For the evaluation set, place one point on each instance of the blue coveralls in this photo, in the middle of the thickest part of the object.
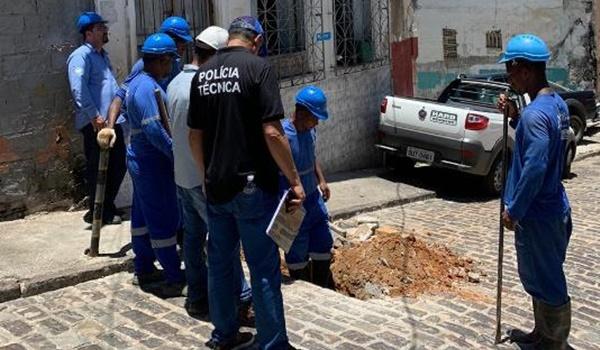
(536, 198)
(314, 239)
(155, 214)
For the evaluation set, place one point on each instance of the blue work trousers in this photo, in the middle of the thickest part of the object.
(154, 216)
(314, 239)
(541, 246)
(193, 207)
(245, 217)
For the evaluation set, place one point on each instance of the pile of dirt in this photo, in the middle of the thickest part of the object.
(395, 264)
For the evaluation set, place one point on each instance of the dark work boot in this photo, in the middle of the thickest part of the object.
(301, 274)
(321, 274)
(555, 326)
(520, 337)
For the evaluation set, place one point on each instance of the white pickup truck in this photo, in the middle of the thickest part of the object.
(460, 130)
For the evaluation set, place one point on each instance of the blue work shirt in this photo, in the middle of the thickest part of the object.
(534, 188)
(137, 68)
(302, 145)
(93, 84)
(148, 137)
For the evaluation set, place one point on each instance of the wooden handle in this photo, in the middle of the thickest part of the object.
(162, 109)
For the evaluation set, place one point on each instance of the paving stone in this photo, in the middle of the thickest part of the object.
(151, 307)
(70, 316)
(39, 341)
(17, 327)
(348, 346)
(138, 317)
(152, 343)
(382, 346)
(114, 340)
(160, 329)
(32, 313)
(131, 332)
(13, 346)
(54, 326)
(356, 337)
(181, 319)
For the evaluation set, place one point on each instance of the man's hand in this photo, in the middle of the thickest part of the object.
(508, 222)
(325, 190)
(505, 102)
(97, 123)
(296, 197)
(106, 138)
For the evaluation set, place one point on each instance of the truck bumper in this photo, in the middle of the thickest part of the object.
(467, 156)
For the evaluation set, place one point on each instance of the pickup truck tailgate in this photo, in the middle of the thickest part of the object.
(429, 117)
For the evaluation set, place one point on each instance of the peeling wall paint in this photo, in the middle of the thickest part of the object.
(564, 24)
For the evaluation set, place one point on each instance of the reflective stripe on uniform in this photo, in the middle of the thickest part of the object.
(150, 120)
(320, 256)
(163, 243)
(297, 266)
(139, 231)
(306, 171)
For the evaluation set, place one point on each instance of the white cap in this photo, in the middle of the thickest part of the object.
(213, 36)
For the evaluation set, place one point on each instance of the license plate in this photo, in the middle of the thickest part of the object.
(420, 154)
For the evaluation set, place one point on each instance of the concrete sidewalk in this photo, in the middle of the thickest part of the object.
(44, 252)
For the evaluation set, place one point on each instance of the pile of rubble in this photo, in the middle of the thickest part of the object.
(374, 262)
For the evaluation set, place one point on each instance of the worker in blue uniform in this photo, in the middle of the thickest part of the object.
(93, 86)
(537, 207)
(179, 30)
(155, 214)
(309, 257)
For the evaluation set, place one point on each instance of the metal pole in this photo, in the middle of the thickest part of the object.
(99, 202)
(498, 338)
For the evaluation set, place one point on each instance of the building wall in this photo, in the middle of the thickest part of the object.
(564, 24)
(40, 151)
(41, 161)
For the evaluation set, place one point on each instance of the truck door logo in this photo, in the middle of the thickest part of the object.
(443, 118)
(422, 114)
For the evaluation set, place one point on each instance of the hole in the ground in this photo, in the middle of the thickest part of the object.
(377, 262)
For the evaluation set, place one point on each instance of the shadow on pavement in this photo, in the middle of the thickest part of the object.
(446, 183)
(120, 254)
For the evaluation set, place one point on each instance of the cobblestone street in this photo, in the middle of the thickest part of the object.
(111, 313)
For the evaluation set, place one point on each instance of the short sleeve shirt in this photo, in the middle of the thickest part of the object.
(231, 96)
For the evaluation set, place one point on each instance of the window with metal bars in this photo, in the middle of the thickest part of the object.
(493, 39)
(450, 45)
(291, 27)
(361, 34)
(150, 15)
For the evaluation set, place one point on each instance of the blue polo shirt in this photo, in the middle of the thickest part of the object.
(534, 188)
(92, 83)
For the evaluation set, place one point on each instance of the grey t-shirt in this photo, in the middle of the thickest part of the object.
(187, 174)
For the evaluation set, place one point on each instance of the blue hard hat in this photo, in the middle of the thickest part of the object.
(159, 44)
(247, 22)
(178, 27)
(527, 47)
(88, 18)
(314, 100)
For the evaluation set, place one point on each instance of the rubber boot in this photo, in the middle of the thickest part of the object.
(301, 274)
(520, 337)
(321, 274)
(555, 326)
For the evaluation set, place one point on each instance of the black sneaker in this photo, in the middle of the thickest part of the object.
(170, 290)
(115, 220)
(88, 217)
(242, 340)
(197, 308)
(147, 278)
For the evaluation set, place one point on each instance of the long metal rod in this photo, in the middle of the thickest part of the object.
(498, 337)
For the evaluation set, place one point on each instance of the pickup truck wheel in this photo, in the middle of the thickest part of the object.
(569, 156)
(403, 164)
(578, 125)
(492, 182)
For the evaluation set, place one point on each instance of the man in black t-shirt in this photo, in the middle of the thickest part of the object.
(238, 142)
